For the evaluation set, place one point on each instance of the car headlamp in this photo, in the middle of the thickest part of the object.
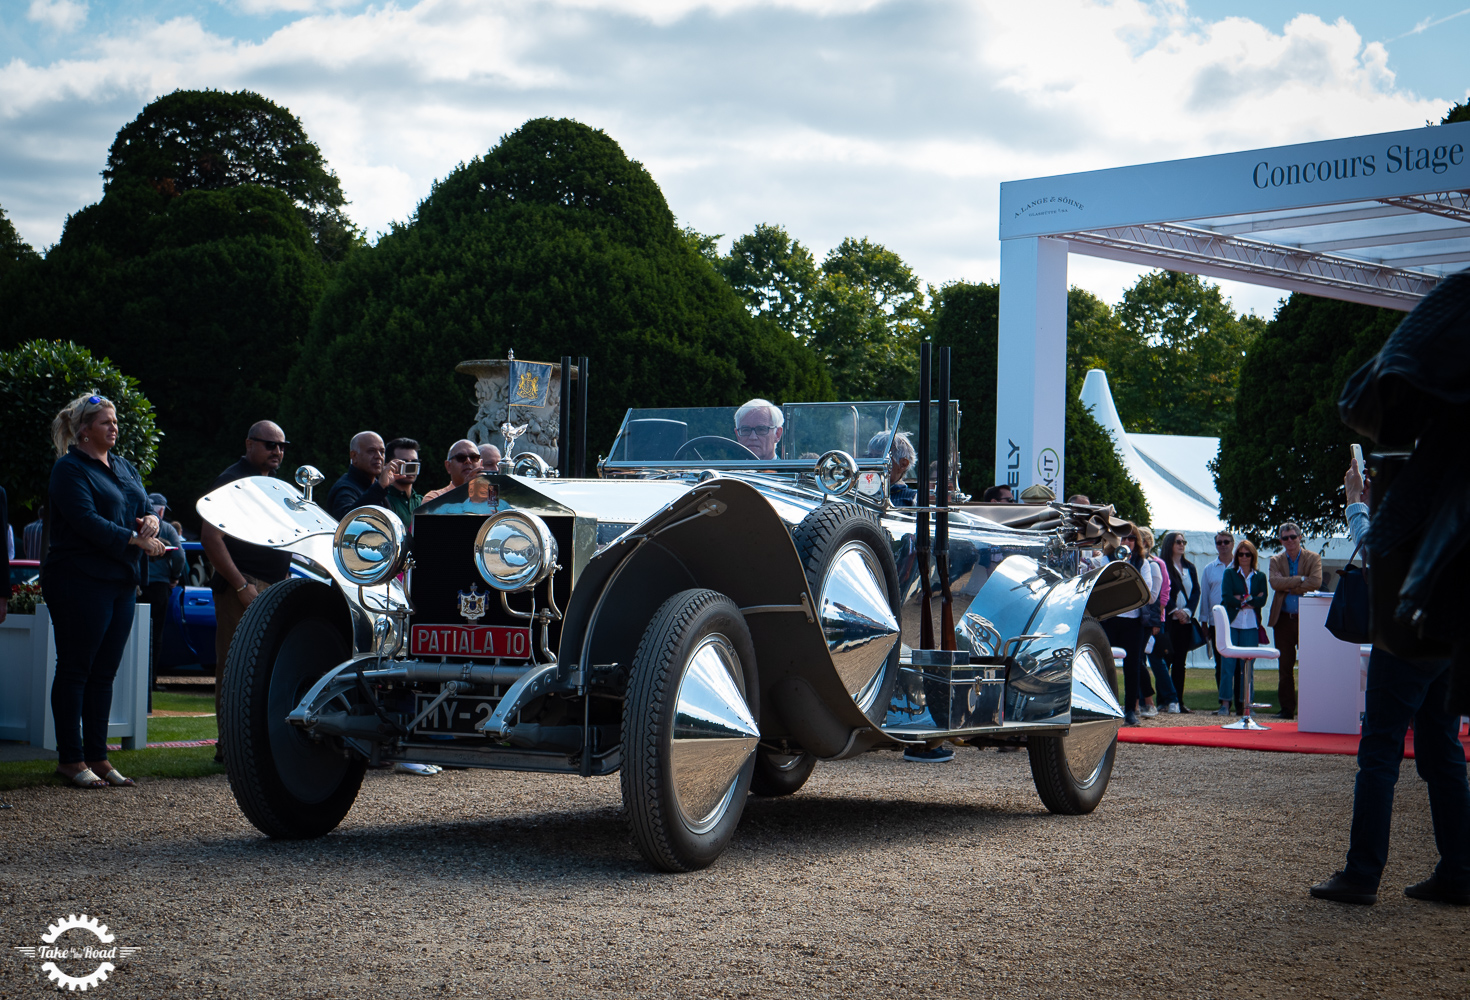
(514, 551)
(368, 545)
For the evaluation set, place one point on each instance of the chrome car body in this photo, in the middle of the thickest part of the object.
(543, 671)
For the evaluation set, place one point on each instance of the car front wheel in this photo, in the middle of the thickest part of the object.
(689, 731)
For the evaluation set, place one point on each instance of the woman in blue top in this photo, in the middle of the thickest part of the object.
(101, 527)
(1243, 595)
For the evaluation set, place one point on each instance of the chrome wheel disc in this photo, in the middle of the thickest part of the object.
(714, 733)
(857, 621)
(1086, 743)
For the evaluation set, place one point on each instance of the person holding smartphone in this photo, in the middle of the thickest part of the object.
(398, 477)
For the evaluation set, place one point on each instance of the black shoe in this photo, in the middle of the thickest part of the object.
(219, 754)
(1284, 716)
(1432, 890)
(1340, 890)
(1130, 718)
(1185, 709)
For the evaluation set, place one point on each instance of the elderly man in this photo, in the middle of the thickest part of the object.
(489, 458)
(759, 425)
(242, 570)
(1295, 571)
(359, 484)
(463, 462)
(902, 454)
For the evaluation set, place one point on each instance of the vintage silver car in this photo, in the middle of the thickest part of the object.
(707, 622)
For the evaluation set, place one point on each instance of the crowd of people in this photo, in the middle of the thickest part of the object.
(111, 549)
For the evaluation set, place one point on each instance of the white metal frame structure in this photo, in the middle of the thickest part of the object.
(1377, 219)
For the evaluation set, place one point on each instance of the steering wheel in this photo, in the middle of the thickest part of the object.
(734, 450)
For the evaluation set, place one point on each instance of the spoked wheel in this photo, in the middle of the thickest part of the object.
(689, 730)
(1072, 771)
(780, 773)
(286, 783)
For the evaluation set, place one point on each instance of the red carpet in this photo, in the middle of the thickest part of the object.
(1282, 738)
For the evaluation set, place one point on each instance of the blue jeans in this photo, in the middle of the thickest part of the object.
(1229, 668)
(1163, 683)
(1397, 692)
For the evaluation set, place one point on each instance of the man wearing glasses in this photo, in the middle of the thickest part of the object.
(1295, 571)
(759, 425)
(1212, 583)
(242, 570)
(463, 462)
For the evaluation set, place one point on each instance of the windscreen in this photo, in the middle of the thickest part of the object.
(754, 435)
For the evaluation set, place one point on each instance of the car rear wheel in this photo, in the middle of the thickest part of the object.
(287, 784)
(690, 731)
(780, 773)
(1072, 771)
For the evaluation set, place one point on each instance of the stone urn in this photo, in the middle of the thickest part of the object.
(492, 391)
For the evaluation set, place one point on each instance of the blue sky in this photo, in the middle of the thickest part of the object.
(892, 120)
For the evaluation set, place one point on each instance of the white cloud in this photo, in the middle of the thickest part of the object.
(895, 121)
(58, 15)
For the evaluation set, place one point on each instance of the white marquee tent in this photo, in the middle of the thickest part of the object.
(1377, 219)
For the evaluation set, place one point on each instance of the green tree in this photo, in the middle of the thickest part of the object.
(1457, 113)
(1283, 456)
(204, 297)
(869, 319)
(775, 276)
(210, 140)
(967, 319)
(14, 251)
(37, 379)
(552, 243)
(1172, 350)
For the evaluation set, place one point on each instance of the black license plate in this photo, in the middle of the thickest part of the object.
(455, 716)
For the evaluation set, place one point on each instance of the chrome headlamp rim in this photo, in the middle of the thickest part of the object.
(368, 545)
(836, 472)
(522, 580)
(530, 465)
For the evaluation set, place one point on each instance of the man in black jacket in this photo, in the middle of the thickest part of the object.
(359, 485)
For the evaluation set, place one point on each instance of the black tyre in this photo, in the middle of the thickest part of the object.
(287, 784)
(842, 546)
(1072, 771)
(690, 729)
(780, 773)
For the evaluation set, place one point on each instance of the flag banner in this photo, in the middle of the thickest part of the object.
(530, 383)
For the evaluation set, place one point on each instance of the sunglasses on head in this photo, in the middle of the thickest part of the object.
(95, 400)
(467, 456)
(271, 445)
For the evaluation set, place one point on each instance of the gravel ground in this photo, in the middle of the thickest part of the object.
(878, 878)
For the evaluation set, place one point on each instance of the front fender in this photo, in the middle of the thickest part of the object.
(271, 513)
(1022, 597)
(725, 535)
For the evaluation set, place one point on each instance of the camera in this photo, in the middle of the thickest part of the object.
(409, 469)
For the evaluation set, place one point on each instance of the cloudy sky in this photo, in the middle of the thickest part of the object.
(891, 120)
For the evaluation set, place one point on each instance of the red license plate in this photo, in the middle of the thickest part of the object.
(471, 641)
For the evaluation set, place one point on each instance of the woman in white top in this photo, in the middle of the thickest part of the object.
(1243, 595)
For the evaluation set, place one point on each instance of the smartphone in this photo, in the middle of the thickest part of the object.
(170, 548)
(412, 468)
(1357, 451)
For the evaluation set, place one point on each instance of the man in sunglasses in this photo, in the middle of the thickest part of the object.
(759, 425)
(1295, 571)
(242, 570)
(462, 463)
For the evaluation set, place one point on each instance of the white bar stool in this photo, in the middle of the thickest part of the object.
(1229, 650)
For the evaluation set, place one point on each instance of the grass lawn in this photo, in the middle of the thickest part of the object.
(160, 762)
(1200, 691)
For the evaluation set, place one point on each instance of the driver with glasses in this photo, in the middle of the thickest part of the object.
(759, 425)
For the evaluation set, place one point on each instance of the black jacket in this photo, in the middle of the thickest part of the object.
(1176, 586)
(354, 489)
(93, 510)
